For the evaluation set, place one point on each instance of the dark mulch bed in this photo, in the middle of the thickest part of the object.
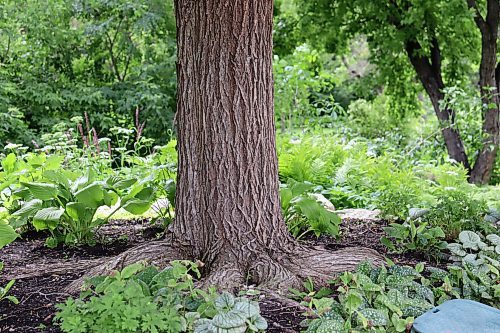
(38, 296)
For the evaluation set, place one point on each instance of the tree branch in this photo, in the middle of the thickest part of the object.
(493, 15)
(435, 55)
(111, 45)
(478, 18)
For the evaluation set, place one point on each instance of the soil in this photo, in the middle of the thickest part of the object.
(38, 296)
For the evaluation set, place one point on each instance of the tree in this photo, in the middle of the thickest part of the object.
(440, 41)
(228, 210)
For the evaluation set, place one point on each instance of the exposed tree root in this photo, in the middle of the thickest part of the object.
(36, 270)
(158, 253)
(289, 270)
(278, 270)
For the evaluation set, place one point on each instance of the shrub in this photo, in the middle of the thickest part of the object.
(144, 299)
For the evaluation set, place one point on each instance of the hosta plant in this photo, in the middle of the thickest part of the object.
(66, 205)
(304, 214)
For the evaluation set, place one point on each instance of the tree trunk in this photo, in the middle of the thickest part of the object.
(228, 214)
(228, 211)
(488, 84)
(228, 206)
(429, 73)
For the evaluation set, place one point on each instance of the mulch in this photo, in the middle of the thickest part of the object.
(38, 296)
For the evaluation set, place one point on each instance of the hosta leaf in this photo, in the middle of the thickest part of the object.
(79, 211)
(47, 218)
(57, 177)
(120, 184)
(145, 194)
(9, 163)
(110, 198)
(91, 195)
(42, 191)
(137, 206)
(29, 208)
(7, 234)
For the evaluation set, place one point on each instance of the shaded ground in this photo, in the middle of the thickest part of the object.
(38, 296)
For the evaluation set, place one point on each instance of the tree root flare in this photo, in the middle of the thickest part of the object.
(270, 270)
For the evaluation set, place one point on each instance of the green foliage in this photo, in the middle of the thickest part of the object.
(66, 205)
(142, 298)
(104, 57)
(233, 315)
(412, 236)
(304, 214)
(312, 298)
(312, 159)
(4, 291)
(476, 266)
(7, 233)
(388, 299)
(372, 119)
(375, 299)
(388, 28)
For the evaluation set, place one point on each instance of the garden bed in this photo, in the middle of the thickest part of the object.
(38, 296)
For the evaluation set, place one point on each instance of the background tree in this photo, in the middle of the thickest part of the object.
(228, 212)
(440, 40)
(62, 58)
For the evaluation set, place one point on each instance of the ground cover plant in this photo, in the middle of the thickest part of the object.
(312, 179)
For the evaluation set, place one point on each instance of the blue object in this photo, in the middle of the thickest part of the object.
(459, 316)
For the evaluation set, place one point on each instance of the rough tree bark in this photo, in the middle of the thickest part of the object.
(228, 208)
(428, 70)
(488, 84)
(228, 212)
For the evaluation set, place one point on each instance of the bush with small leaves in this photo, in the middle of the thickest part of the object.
(144, 299)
